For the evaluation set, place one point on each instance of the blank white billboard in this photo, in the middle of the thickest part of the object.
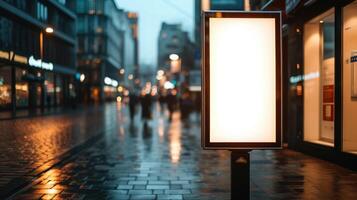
(242, 76)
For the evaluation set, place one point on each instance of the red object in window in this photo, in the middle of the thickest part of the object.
(328, 94)
(328, 112)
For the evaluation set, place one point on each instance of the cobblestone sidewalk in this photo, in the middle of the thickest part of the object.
(29, 146)
(163, 160)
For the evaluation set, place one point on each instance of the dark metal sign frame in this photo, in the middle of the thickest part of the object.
(205, 123)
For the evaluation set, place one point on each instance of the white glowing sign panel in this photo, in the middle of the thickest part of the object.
(242, 70)
(38, 63)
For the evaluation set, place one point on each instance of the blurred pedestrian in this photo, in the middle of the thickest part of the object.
(186, 106)
(48, 100)
(146, 103)
(171, 101)
(133, 101)
(162, 100)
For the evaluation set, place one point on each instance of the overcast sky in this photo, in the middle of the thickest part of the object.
(151, 14)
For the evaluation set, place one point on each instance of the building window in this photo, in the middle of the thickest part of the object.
(91, 6)
(319, 65)
(62, 2)
(22, 89)
(42, 13)
(350, 78)
(5, 87)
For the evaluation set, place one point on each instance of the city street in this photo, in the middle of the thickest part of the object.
(99, 153)
(121, 99)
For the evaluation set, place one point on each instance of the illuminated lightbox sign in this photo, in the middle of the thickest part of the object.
(40, 64)
(241, 80)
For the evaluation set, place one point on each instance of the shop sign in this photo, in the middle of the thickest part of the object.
(291, 5)
(38, 63)
(241, 80)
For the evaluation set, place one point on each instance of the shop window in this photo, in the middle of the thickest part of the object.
(59, 90)
(22, 89)
(38, 94)
(94, 91)
(318, 91)
(350, 78)
(5, 87)
(50, 89)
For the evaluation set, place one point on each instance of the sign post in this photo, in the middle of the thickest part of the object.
(241, 108)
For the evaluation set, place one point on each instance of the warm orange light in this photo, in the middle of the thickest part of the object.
(119, 99)
(120, 89)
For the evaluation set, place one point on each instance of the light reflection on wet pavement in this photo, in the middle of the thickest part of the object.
(31, 145)
(164, 160)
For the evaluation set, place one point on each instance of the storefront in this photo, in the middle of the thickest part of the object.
(322, 74)
(100, 80)
(30, 83)
(37, 56)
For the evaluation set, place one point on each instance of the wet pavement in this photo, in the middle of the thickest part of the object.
(157, 160)
(29, 146)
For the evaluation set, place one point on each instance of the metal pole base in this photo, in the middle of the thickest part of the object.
(240, 175)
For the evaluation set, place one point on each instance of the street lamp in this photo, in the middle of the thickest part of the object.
(160, 72)
(174, 57)
(48, 30)
(130, 77)
(82, 77)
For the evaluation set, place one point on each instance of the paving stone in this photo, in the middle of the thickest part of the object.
(157, 187)
(177, 187)
(158, 191)
(179, 182)
(140, 192)
(177, 192)
(125, 187)
(139, 187)
(158, 182)
(137, 182)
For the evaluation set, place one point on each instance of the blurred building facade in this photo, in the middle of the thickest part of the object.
(37, 69)
(319, 77)
(106, 49)
(175, 53)
(133, 20)
(129, 49)
(173, 40)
